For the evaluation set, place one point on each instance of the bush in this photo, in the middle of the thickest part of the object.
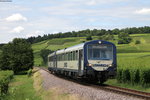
(134, 74)
(29, 72)
(124, 38)
(119, 75)
(125, 75)
(89, 38)
(44, 53)
(5, 77)
(145, 77)
(137, 42)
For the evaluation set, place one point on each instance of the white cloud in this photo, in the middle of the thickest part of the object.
(36, 33)
(17, 29)
(16, 17)
(95, 2)
(92, 2)
(143, 11)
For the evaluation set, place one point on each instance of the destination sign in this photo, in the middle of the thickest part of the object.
(99, 47)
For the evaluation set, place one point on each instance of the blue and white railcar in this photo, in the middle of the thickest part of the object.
(95, 60)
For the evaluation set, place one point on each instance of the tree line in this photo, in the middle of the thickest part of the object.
(88, 32)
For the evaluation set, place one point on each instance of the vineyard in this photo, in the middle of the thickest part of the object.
(134, 68)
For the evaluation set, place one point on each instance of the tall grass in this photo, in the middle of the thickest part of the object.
(21, 88)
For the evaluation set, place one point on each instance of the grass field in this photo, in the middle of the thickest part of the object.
(21, 88)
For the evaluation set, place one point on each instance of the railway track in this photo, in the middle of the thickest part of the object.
(119, 90)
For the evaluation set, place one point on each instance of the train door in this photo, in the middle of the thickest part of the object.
(80, 62)
(55, 61)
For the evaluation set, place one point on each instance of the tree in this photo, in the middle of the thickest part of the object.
(17, 56)
(44, 54)
(89, 37)
(115, 31)
(124, 38)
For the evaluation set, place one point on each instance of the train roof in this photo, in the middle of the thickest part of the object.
(76, 47)
(69, 49)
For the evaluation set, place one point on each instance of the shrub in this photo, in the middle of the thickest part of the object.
(119, 75)
(89, 37)
(134, 75)
(29, 72)
(124, 38)
(145, 77)
(44, 53)
(125, 76)
(137, 42)
(5, 77)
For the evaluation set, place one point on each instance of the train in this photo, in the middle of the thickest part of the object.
(94, 61)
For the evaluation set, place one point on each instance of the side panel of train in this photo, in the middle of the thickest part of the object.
(94, 60)
(71, 62)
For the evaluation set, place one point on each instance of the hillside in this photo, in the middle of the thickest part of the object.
(131, 50)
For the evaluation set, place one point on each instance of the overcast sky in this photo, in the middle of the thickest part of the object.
(25, 18)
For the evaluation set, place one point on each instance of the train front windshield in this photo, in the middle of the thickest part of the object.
(100, 52)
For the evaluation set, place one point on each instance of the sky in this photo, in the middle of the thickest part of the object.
(26, 18)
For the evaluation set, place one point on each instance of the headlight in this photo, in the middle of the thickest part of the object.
(110, 65)
(89, 65)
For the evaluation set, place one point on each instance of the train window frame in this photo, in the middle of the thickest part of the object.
(100, 52)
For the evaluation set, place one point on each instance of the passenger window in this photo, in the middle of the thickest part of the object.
(62, 57)
(71, 56)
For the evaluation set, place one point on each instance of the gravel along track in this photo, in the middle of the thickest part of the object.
(65, 86)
